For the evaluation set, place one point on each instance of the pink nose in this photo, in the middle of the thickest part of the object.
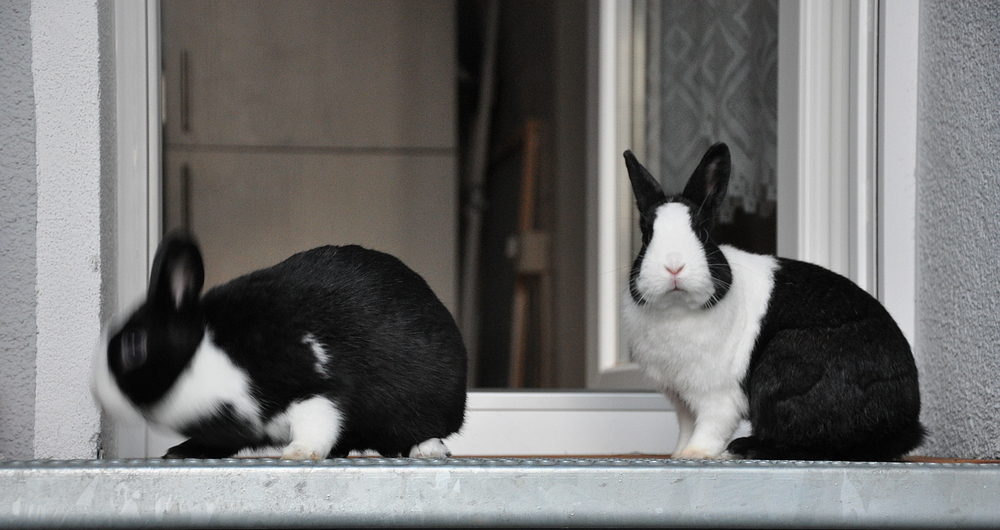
(675, 271)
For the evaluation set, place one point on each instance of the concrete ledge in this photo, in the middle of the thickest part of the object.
(494, 492)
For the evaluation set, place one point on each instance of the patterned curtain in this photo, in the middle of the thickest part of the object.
(711, 75)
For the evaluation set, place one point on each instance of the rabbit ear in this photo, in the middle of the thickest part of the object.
(178, 273)
(647, 190)
(707, 185)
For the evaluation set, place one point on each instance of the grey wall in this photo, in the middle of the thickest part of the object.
(17, 232)
(56, 125)
(958, 226)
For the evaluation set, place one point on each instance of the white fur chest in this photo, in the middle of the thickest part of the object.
(697, 352)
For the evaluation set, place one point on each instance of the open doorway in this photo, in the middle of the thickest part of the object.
(296, 124)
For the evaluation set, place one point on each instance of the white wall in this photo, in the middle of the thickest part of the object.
(65, 65)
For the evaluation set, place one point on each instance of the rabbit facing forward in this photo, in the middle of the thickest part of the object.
(816, 364)
(332, 350)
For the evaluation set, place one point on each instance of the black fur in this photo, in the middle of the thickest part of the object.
(396, 361)
(831, 376)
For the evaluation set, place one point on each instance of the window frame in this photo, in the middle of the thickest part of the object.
(138, 120)
(871, 240)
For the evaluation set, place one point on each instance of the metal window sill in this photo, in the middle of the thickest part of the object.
(496, 492)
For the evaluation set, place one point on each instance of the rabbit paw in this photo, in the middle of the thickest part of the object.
(694, 453)
(313, 426)
(296, 451)
(430, 448)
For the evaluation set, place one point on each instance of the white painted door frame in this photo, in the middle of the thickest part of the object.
(138, 131)
(899, 23)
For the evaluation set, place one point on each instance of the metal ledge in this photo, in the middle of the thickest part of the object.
(496, 492)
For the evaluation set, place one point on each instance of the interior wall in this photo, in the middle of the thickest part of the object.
(306, 123)
(17, 232)
(958, 197)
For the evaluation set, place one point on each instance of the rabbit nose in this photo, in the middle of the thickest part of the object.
(675, 270)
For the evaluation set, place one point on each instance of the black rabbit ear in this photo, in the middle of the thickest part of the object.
(707, 185)
(648, 192)
(178, 273)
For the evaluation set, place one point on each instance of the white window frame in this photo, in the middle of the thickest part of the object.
(866, 243)
(899, 23)
(138, 90)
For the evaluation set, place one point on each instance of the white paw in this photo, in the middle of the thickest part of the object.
(364, 453)
(297, 451)
(695, 453)
(431, 448)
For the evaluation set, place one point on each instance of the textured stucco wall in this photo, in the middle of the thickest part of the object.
(958, 226)
(66, 66)
(17, 232)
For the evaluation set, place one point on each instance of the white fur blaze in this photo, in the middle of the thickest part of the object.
(674, 269)
(314, 426)
(322, 357)
(430, 448)
(209, 382)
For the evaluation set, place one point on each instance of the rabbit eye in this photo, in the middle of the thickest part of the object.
(133, 350)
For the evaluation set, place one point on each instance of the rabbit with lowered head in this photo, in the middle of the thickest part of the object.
(332, 350)
(815, 363)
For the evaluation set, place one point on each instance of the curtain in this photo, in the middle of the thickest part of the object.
(711, 75)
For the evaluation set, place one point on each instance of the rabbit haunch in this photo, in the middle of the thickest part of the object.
(815, 363)
(335, 349)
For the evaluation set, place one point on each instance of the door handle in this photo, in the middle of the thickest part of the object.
(185, 80)
(185, 197)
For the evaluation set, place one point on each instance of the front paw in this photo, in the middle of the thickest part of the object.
(430, 448)
(697, 453)
(296, 451)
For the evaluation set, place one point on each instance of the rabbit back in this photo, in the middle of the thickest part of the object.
(352, 324)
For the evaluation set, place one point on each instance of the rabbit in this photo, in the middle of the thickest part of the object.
(335, 349)
(816, 364)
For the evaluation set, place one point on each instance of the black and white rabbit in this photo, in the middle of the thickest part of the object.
(815, 363)
(332, 350)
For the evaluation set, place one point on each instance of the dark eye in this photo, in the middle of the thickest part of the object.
(133, 350)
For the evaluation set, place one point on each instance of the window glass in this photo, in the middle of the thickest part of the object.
(705, 72)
